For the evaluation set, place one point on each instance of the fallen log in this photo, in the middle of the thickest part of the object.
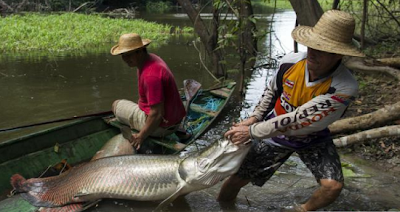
(368, 134)
(392, 62)
(357, 64)
(377, 118)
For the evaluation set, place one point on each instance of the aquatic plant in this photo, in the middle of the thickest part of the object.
(71, 31)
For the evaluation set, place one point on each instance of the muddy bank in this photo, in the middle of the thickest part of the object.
(376, 91)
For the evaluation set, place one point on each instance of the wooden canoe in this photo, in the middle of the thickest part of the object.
(78, 140)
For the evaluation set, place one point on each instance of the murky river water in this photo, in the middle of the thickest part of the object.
(36, 89)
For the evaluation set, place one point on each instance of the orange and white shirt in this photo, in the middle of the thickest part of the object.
(295, 112)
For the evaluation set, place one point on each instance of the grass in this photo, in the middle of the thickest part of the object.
(70, 31)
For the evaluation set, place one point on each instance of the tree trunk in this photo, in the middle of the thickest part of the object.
(335, 4)
(364, 22)
(308, 11)
(219, 68)
(378, 118)
(204, 34)
(366, 135)
(250, 42)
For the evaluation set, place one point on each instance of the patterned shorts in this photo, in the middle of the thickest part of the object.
(264, 158)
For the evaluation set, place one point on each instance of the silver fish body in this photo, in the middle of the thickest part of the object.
(135, 177)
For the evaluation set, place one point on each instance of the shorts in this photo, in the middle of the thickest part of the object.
(129, 113)
(264, 158)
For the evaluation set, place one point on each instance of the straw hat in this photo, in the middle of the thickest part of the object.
(129, 42)
(333, 33)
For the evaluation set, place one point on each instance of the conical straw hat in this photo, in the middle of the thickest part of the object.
(333, 33)
(129, 42)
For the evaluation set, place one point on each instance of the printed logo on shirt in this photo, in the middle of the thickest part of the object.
(310, 115)
(286, 95)
(286, 105)
(289, 83)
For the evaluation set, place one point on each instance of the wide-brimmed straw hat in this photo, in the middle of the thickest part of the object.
(333, 33)
(129, 42)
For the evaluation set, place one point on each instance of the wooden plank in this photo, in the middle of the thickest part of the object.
(222, 92)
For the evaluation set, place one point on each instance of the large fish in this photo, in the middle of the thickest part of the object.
(135, 177)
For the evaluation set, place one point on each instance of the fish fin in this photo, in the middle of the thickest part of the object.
(90, 204)
(170, 199)
(74, 207)
(36, 200)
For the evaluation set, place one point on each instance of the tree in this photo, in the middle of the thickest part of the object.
(218, 36)
(209, 38)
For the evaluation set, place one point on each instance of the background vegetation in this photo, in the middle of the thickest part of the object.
(71, 31)
(381, 27)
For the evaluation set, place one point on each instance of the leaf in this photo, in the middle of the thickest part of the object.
(348, 172)
(252, 19)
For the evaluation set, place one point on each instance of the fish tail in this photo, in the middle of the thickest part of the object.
(17, 181)
(34, 190)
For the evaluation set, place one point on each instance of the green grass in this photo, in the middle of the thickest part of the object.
(70, 31)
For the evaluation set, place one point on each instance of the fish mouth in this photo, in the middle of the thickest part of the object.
(223, 160)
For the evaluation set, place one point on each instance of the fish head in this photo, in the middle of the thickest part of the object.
(214, 164)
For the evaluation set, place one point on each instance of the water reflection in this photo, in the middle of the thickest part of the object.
(61, 86)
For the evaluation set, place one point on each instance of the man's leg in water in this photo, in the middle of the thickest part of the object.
(324, 162)
(259, 165)
(231, 188)
(324, 195)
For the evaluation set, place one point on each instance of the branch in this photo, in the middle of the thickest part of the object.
(5, 5)
(202, 62)
(366, 135)
(82, 5)
(391, 14)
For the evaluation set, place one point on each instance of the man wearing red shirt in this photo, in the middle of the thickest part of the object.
(160, 109)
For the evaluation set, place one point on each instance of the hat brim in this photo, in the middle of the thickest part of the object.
(305, 35)
(117, 50)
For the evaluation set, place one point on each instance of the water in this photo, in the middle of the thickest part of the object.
(35, 89)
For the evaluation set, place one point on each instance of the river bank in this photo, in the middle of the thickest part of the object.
(376, 91)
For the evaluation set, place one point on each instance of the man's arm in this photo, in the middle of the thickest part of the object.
(153, 121)
(314, 116)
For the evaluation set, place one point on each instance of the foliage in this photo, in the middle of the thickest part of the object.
(382, 25)
(70, 31)
(158, 6)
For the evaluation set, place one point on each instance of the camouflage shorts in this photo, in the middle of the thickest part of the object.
(264, 158)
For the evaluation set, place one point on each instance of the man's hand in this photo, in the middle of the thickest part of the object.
(137, 140)
(239, 135)
(246, 122)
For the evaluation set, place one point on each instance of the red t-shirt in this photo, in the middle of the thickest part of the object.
(156, 85)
